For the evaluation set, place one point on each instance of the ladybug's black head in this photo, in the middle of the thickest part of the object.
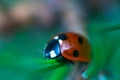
(52, 49)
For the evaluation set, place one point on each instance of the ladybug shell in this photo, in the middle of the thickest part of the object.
(75, 48)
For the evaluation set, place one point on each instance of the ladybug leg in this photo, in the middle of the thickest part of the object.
(61, 59)
(69, 61)
(64, 60)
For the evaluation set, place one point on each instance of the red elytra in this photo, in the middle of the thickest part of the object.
(75, 48)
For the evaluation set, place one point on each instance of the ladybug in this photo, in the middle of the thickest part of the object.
(71, 46)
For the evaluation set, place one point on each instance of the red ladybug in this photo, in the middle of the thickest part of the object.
(70, 46)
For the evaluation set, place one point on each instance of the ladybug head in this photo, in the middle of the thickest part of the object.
(52, 49)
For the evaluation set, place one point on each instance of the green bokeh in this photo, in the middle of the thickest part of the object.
(21, 56)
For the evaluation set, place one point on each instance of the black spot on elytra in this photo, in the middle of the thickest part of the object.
(62, 37)
(75, 53)
(80, 40)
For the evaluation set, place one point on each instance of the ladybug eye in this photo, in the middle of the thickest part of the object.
(75, 53)
(80, 40)
(63, 37)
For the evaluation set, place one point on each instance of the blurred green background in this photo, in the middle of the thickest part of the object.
(21, 55)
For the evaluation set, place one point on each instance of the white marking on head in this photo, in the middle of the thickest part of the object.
(52, 54)
(60, 41)
(56, 37)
